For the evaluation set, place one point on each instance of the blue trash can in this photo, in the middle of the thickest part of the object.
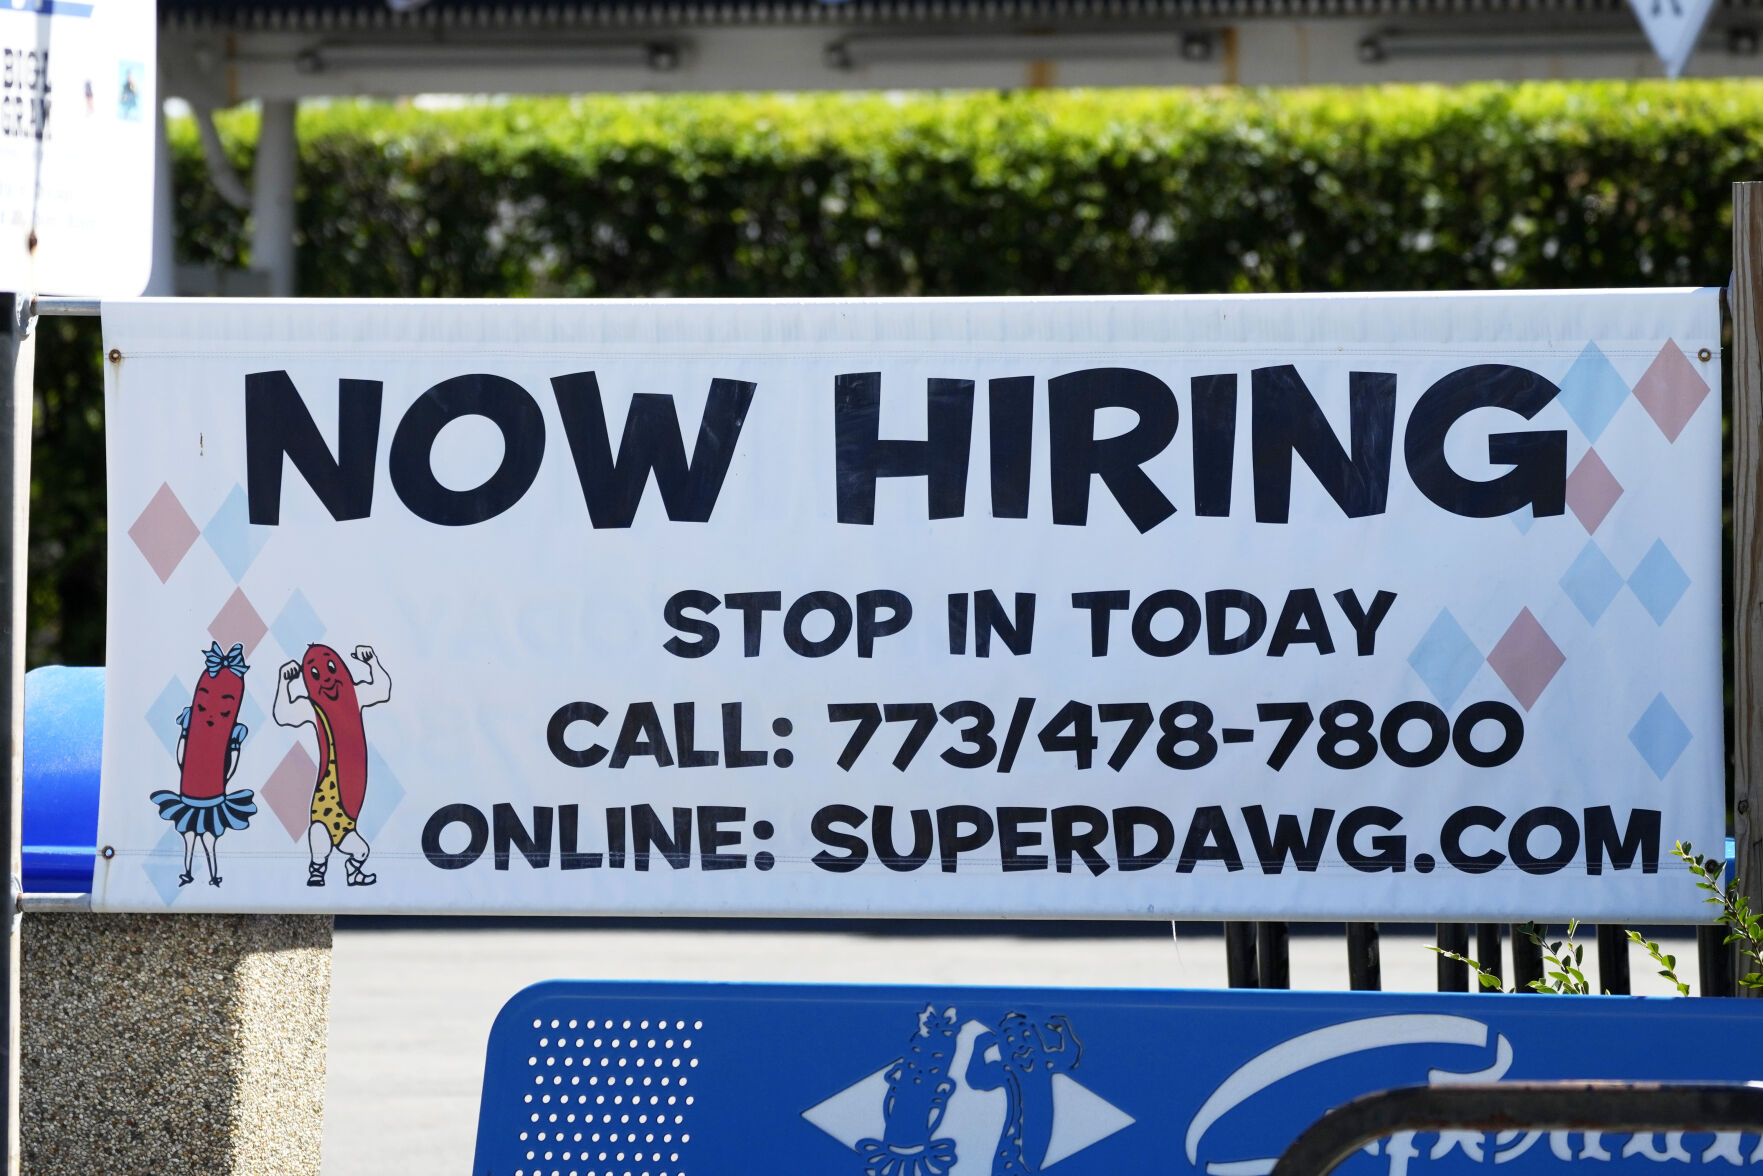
(63, 748)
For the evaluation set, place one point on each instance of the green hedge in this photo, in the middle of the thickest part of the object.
(1044, 193)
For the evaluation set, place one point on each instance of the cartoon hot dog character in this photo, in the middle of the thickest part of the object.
(319, 690)
(208, 754)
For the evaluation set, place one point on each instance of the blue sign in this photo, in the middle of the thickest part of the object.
(655, 1079)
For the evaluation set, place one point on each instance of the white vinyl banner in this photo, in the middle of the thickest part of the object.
(1368, 607)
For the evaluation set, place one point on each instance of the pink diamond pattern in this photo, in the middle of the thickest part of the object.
(1526, 659)
(1671, 390)
(237, 621)
(164, 532)
(289, 791)
(1592, 490)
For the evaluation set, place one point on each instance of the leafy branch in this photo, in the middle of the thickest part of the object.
(1564, 962)
(1564, 959)
(1666, 961)
(1743, 928)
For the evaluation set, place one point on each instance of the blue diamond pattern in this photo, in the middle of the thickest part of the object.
(1658, 582)
(384, 795)
(253, 717)
(296, 626)
(233, 537)
(1446, 659)
(1523, 520)
(166, 861)
(1660, 736)
(1592, 582)
(162, 716)
(1592, 391)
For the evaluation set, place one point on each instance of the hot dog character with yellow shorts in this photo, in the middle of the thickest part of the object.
(319, 690)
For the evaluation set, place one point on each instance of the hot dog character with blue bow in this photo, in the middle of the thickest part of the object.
(319, 690)
(208, 754)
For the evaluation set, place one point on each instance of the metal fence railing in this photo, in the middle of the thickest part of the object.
(1530, 1106)
(1257, 956)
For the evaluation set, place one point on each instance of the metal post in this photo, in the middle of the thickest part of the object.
(1714, 961)
(1364, 962)
(17, 352)
(1453, 976)
(1239, 955)
(1613, 959)
(272, 196)
(1527, 959)
(1487, 952)
(1747, 541)
(1273, 955)
(162, 279)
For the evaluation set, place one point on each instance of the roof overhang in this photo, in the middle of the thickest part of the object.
(218, 53)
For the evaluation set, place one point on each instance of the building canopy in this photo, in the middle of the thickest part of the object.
(222, 51)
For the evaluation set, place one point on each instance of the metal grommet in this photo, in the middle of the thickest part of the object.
(109, 851)
(1704, 355)
(115, 355)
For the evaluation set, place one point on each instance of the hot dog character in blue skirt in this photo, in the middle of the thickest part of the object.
(208, 754)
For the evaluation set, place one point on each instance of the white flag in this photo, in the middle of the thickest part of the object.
(1672, 26)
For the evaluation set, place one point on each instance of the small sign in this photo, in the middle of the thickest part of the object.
(860, 1080)
(1260, 607)
(77, 96)
(1672, 26)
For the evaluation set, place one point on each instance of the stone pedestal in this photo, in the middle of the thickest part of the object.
(174, 1044)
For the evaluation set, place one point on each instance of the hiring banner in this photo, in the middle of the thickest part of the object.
(1369, 607)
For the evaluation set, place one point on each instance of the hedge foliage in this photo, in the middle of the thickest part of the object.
(1409, 188)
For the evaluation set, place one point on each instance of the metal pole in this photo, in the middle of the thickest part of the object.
(1239, 955)
(1613, 976)
(1487, 953)
(17, 352)
(1364, 963)
(1273, 961)
(46, 307)
(162, 278)
(1453, 976)
(272, 195)
(1632, 1107)
(1747, 541)
(1714, 961)
(1527, 959)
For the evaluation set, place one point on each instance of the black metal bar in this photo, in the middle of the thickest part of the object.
(1613, 959)
(1513, 1106)
(1714, 960)
(1487, 952)
(1239, 955)
(1364, 958)
(1273, 957)
(1453, 976)
(1527, 959)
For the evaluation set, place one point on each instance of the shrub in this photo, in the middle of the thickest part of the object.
(1099, 192)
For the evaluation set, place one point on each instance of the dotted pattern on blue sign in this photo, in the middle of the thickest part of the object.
(607, 1094)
